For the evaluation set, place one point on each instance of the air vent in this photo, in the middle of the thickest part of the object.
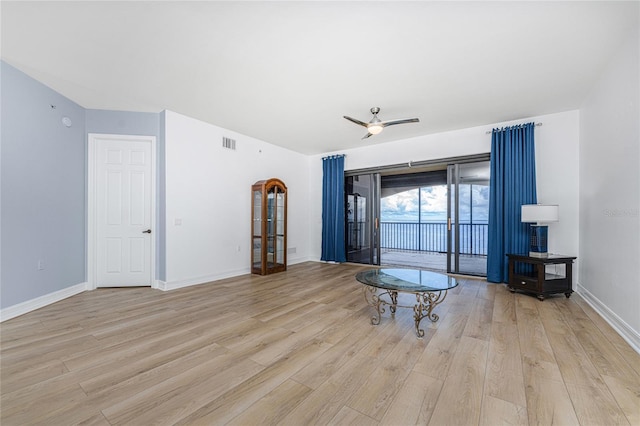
(229, 143)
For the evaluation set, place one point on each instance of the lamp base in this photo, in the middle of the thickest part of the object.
(538, 241)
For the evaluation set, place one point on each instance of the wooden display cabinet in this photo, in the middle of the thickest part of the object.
(268, 227)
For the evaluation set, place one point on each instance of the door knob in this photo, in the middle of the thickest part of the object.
(148, 231)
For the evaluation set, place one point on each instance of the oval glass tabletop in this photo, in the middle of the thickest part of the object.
(409, 280)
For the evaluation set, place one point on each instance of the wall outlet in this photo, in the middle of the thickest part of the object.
(40, 265)
(238, 249)
(291, 250)
(177, 222)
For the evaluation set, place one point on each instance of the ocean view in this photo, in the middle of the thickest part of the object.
(432, 236)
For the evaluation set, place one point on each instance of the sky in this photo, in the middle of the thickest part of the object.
(403, 207)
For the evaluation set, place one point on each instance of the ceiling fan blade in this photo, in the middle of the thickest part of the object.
(367, 135)
(401, 121)
(353, 120)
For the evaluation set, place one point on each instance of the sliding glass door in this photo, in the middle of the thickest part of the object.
(431, 215)
(467, 217)
(362, 203)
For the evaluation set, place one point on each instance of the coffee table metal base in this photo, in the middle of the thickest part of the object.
(425, 302)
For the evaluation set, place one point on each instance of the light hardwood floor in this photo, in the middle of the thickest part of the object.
(297, 348)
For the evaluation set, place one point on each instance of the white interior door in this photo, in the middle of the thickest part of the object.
(123, 185)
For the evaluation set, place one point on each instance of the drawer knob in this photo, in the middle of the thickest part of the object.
(523, 283)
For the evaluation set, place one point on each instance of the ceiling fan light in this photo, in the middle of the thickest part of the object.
(374, 129)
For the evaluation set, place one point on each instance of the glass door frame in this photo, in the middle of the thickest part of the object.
(371, 221)
(404, 168)
(453, 219)
(453, 214)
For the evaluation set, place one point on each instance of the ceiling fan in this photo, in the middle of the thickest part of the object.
(375, 125)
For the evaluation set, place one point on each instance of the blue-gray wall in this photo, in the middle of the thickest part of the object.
(43, 190)
(123, 122)
(43, 182)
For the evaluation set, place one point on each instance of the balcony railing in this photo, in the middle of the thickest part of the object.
(432, 237)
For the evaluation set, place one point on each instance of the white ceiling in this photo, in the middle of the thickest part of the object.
(286, 72)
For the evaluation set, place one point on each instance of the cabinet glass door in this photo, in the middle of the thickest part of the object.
(280, 215)
(256, 237)
(271, 238)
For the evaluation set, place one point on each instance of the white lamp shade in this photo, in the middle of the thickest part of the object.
(540, 213)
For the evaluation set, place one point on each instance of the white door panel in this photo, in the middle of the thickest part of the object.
(123, 211)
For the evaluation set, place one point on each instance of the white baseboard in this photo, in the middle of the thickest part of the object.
(295, 261)
(631, 336)
(174, 285)
(40, 302)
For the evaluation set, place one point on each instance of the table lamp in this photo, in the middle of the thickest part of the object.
(538, 215)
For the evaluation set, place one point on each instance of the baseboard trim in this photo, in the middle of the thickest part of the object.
(631, 336)
(40, 302)
(174, 285)
(297, 260)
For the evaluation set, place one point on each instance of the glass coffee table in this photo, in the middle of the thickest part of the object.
(381, 287)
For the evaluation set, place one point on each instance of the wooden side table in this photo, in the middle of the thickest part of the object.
(529, 274)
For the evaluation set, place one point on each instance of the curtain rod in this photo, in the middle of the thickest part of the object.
(488, 132)
(334, 156)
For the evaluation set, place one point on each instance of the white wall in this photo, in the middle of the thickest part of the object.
(610, 192)
(208, 188)
(556, 165)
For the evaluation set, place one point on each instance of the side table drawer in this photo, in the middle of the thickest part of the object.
(524, 283)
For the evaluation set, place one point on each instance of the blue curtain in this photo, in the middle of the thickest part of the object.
(333, 245)
(512, 184)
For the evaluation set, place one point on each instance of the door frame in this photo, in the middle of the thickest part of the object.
(453, 217)
(418, 166)
(92, 229)
(372, 215)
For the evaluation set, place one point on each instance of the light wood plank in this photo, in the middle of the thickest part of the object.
(302, 342)
(602, 353)
(504, 306)
(460, 401)
(180, 396)
(548, 402)
(479, 323)
(234, 401)
(504, 378)
(270, 409)
(438, 355)
(594, 405)
(324, 403)
(533, 340)
(378, 391)
(414, 402)
(347, 416)
(632, 357)
(627, 394)
(333, 359)
(496, 411)
(20, 378)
